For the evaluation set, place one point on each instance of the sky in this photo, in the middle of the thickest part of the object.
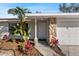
(33, 7)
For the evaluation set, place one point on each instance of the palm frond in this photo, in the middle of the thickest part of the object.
(12, 11)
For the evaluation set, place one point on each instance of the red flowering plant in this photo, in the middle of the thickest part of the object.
(28, 45)
(54, 41)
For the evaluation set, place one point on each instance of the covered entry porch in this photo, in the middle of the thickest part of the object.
(43, 28)
(39, 29)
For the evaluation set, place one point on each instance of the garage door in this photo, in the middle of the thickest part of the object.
(68, 31)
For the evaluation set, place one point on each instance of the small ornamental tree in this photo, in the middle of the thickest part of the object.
(20, 28)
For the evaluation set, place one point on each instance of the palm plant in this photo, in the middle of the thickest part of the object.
(20, 13)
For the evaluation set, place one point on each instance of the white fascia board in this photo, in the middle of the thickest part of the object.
(53, 14)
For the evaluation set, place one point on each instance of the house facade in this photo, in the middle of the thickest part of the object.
(64, 26)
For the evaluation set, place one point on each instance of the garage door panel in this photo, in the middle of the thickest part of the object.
(77, 35)
(68, 31)
(62, 36)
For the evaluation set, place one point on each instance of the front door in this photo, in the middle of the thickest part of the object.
(42, 30)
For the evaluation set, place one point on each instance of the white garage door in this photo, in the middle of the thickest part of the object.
(68, 31)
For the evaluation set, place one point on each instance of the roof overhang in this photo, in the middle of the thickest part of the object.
(12, 20)
(56, 15)
(53, 15)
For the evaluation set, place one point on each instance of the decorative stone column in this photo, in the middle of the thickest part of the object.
(36, 39)
(52, 28)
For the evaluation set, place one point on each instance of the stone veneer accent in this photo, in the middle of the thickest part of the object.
(52, 28)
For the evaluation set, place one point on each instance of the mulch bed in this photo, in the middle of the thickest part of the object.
(13, 46)
(4, 52)
(58, 50)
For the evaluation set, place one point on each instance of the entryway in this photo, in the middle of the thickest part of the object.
(42, 30)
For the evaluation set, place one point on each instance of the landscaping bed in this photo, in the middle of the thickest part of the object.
(12, 50)
(4, 52)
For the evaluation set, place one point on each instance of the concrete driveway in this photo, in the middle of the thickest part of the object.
(70, 50)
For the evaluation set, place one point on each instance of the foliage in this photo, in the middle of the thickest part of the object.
(28, 45)
(20, 46)
(20, 27)
(69, 7)
(12, 30)
(54, 41)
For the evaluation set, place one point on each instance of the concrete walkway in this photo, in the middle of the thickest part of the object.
(45, 49)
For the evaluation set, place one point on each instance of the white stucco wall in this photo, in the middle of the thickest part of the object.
(68, 31)
(4, 30)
